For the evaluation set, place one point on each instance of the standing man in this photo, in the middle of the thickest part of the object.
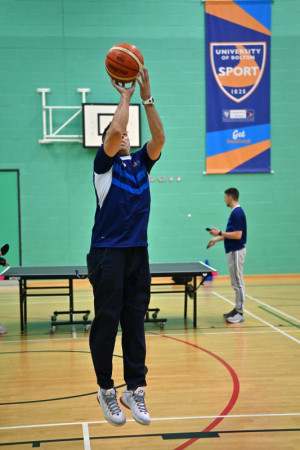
(118, 263)
(234, 238)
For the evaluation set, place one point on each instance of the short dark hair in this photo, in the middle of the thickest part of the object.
(105, 131)
(233, 192)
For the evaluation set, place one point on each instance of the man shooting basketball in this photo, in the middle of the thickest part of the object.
(118, 263)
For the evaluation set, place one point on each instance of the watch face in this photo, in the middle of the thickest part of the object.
(149, 101)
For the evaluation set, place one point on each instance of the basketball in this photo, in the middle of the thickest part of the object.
(124, 62)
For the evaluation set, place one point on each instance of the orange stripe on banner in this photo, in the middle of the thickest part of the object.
(225, 162)
(231, 12)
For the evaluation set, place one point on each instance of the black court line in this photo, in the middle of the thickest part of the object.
(49, 399)
(164, 436)
(59, 398)
(49, 351)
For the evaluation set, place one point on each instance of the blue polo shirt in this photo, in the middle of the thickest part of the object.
(123, 199)
(236, 222)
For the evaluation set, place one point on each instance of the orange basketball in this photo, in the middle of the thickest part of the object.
(124, 63)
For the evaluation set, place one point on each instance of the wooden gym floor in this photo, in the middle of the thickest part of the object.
(219, 386)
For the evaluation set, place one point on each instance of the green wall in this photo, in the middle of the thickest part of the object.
(9, 200)
(61, 44)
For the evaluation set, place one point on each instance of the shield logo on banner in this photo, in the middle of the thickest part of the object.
(238, 67)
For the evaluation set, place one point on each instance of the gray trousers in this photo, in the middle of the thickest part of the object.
(235, 262)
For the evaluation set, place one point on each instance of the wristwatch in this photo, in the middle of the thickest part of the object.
(150, 101)
(220, 233)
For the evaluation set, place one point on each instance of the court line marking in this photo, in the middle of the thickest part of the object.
(51, 339)
(86, 436)
(74, 334)
(278, 316)
(220, 333)
(32, 303)
(234, 395)
(274, 309)
(258, 318)
(63, 301)
(229, 416)
(77, 298)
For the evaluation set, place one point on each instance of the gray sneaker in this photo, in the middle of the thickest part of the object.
(230, 314)
(238, 317)
(135, 400)
(3, 330)
(107, 399)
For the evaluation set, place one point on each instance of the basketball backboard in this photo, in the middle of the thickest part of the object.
(96, 116)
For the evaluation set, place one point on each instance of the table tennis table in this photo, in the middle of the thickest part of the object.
(182, 271)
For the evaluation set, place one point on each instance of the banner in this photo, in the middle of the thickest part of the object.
(238, 35)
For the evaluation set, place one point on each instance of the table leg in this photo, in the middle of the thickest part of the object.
(21, 306)
(25, 301)
(185, 297)
(71, 300)
(195, 301)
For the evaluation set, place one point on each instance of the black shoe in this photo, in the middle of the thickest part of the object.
(230, 314)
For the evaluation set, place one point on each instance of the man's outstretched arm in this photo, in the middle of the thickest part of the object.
(119, 123)
(156, 128)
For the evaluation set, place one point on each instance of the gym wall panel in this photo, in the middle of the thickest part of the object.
(61, 44)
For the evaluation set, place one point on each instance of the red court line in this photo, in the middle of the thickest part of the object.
(234, 395)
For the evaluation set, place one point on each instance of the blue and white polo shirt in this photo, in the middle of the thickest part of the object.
(123, 199)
